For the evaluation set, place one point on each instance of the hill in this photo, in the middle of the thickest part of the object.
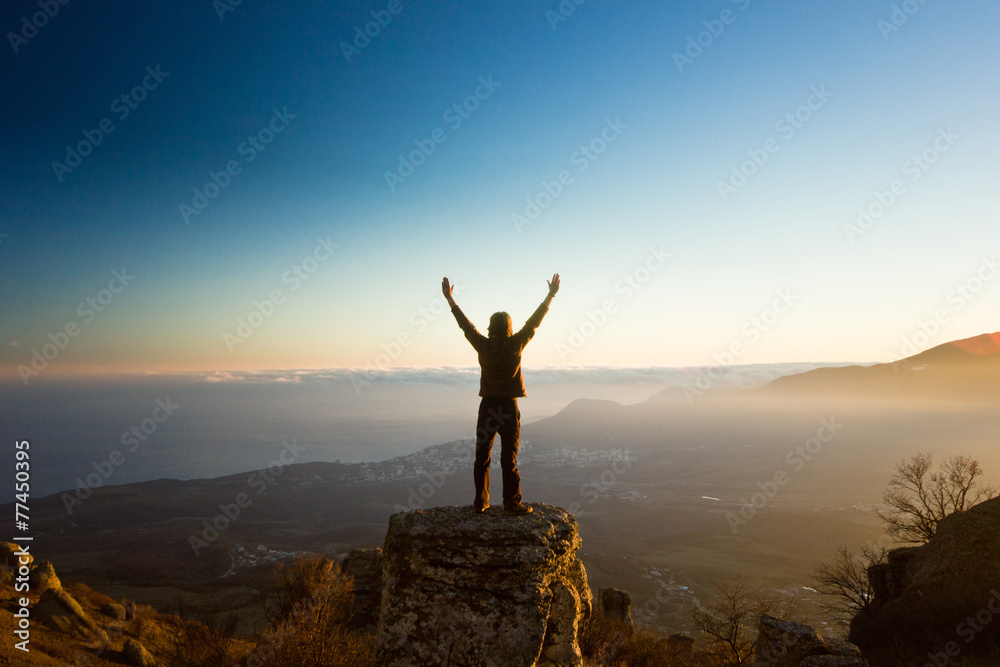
(967, 368)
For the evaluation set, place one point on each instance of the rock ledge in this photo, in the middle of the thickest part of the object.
(462, 588)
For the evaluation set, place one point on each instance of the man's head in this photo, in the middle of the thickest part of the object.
(500, 326)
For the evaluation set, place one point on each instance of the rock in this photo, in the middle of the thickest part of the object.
(680, 645)
(925, 594)
(782, 643)
(831, 661)
(114, 610)
(462, 588)
(135, 653)
(58, 610)
(43, 577)
(842, 648)
(364, 566)
(129, 610)
(616, 603)
(9, 557)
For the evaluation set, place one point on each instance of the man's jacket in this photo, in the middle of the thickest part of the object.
(500, 358)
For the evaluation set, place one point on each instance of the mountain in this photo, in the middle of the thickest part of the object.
(966, 368)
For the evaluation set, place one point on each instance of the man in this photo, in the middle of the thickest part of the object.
(500, 385)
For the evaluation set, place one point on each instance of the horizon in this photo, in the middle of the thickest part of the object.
(765, 234)
(277, 190)
(380, 365)
(221, 422)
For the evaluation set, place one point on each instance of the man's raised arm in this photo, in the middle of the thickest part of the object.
(528, 330)
(471, 333)
(553, 288)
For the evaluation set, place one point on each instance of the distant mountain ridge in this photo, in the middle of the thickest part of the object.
(969, 366)
(977, 349)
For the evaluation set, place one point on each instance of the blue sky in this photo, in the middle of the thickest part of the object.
(773, 265)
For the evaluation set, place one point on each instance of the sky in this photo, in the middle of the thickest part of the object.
(211, 186)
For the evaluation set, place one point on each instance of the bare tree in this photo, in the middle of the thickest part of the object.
(918, 498)
(730, 623)
(844, 582)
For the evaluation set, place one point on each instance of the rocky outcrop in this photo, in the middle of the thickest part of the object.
(134, 653)
(58, 610)
(680, 645)
(364, 567)
(782, 643)
(43, 577)
(616, 604)
(938, 598)
(462, 588)
(10, 555)
(113, 610)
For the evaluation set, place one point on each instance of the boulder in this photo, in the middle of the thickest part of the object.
(681, 645)
(114, 610)
(364, 566)
(9, 557)
(136, 654)
(462, 588)
(43, 577)
(58, 610)
(783, 643)
(830, 661)
(615, 603)
(925, 595)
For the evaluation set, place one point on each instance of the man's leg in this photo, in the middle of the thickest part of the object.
(486, 429)
(509, 418)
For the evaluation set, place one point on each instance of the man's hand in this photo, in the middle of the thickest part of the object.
(553, 285)
(447, 288)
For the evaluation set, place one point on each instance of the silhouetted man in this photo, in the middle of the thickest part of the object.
(500, 385)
